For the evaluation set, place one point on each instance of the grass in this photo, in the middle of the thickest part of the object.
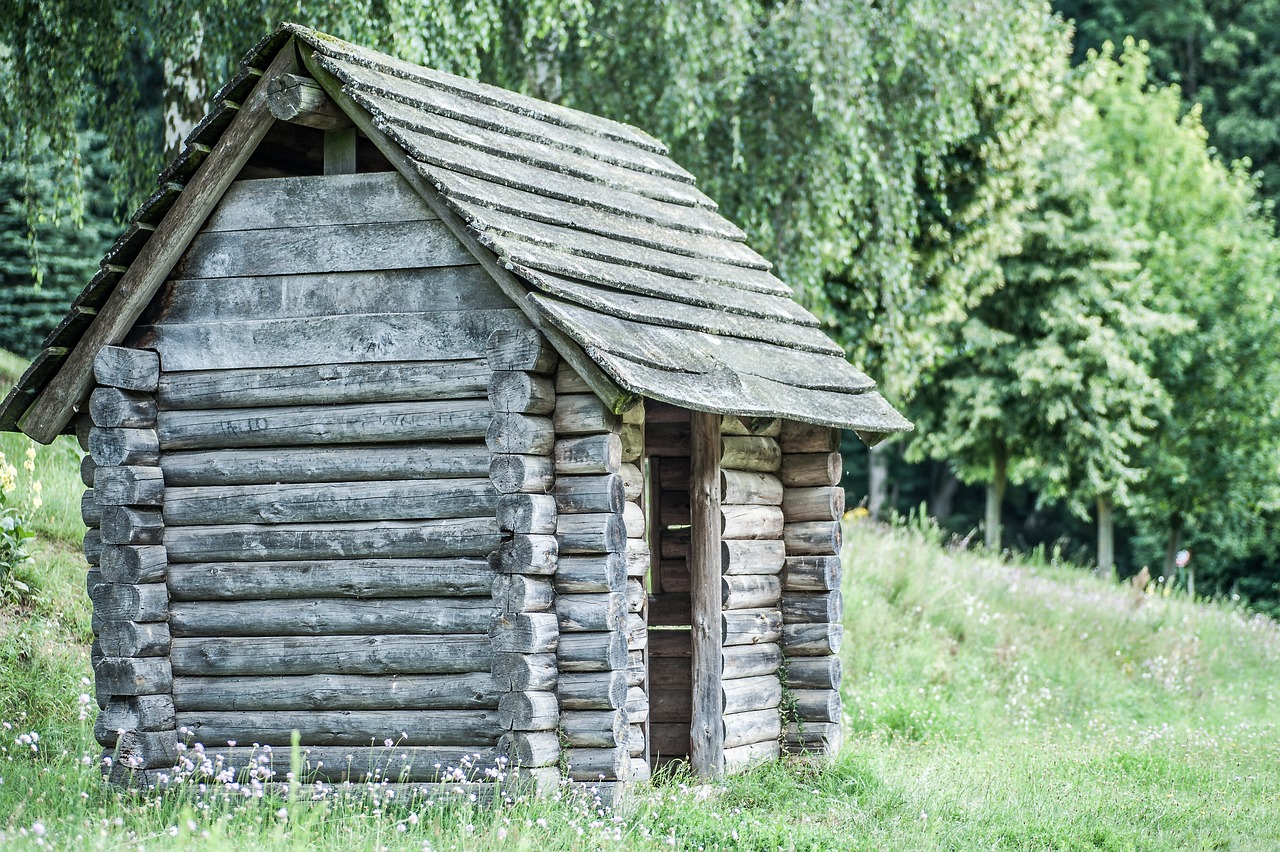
(989, 704)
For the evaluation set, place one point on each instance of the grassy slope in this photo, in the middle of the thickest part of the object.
(988, 706)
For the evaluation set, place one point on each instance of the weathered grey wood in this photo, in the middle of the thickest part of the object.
(133, 713)
(405, 773)
(531, 748)
(324, 464)
(592, 652)
(596, 573)
(632, 437)
(522, 593)
(88, 469)
(342, 728)
(591, 612)
(752, 626)
(637, 669)
(769, 427)
(581, 494)
(739, 487)
(752, 557)
(670, 672)
(706, 726)
(298, 425)
(115, 408)
(812, 737)
(327, 616)
(520, 434)
(568, 381)
(591, 764)
(819, 503)
(145, 563)
(343, 339)
(317, 200)
(124, 447)
(817, 705)
(668, 739)
(593, 728)
(126, 525)
(313, 502)
(129, 485)
(147, 750)
(527, 513)
(465, 691)
(797, 437)
(90, 509)
(93, 546)
(583, 414)
(638, 557)
(339, 151)
(750, 591)
(750, 453)
(528, 554)
(528, 711)
(514, 392)
(751, 522)
(752, 726)
(807, 607)
(53, 408)
(300, 100)
(592, 690)
(637, 706)
(812, 538)
(132, 639)
(805, 470)
(133, 676)
(753, 693)
(636, 596)
(127, 369)
(632, 481)
(670, 643)
(814, 673)
(123, 602)
(671, 610)
(811, 640)
(528, 351)
(751, 660)
(811, 573)
(633, 520)
(83, 427)
(591, 454)
(338, 578)
(593, 533)
(525, 633)
(413, 381)
(299, 655)
(516, 672)
(668, 439)
(517, 474)
(637, 633)
(744, 757)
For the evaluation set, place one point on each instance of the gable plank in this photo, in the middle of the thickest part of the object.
(296, 202)
(53, 408)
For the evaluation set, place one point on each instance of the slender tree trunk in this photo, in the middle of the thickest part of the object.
(1171, 549)
(184, 90)
(942, 501)
(1106, 536)
(877, 480)
(995, 492)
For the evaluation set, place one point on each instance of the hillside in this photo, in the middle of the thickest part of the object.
(1023, 705)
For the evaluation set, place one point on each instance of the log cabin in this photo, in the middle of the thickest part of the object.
(424, 411)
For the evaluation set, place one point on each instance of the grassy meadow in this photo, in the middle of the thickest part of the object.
(1019, 704)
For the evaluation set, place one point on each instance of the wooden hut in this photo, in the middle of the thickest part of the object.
(420, 410)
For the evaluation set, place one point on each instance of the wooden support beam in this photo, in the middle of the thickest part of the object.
(300, 100)
(707, 725)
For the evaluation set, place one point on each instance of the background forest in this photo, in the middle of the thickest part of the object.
(1053, 244)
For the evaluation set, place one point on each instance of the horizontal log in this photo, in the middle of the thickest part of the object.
(811, 640)
(324, 464)
(112, 408)
(633, 520)
(593, 728)
(518, 349)
(638, 557)
(636, 596)
(637, 705)
(592, 652)
(513, 392)
(743, 757)
(670, 673)
(594, 533)
(668, 705)
(767, 427)
(397, 764)
(632, 438)
(750, 522)
(129, 485)
(674, 543)
(750, 591)
(128, 369)
(637, 672)
(339, 578)
(469, 691)
(411, 499)
(669, 739)
(632, 481)
(673, 577)
(525, 633)
(739, 661)
(526, 514)
(583, 414)
(522, 593)
(817, 705)
(133, 676)
(516, 672)
(590, 613)
(818, 503)
(124, 446)
(568, 381)
(328, 424)
(601, 572)
(668, 609)
(753, 726)
(805, 470)
(126, 602)
(389, 539)
(528, 554)
(590, 454)
(344, 727)
(88, 468)
(812, 538)
(745, 556)
(528, 711)
(591, 764)
(585, 494)
(637, 633)
(93, 546)
(326, 616)
(520, 434)
(797, 437)
(592, 690)
(752, 693)
(751, 626)
(670, 643)
(811, 607)
(749, 453)
(134, 713)
(672, 473)
(84, 427)
(666, 439)
(521, 474)
(90, 509)
(812, 737)
(147, 749)
(740, 487)
(814, 672)
(386, 654)
(636, 746)
(127, 525)
(530, 748)
(133, 639)
(811, 573)
(324, 384)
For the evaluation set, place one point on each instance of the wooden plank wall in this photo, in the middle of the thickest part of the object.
(328, 511)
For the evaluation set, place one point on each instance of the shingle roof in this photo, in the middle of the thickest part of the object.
(613, 242)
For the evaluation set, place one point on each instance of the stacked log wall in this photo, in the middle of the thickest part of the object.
(813, 504)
